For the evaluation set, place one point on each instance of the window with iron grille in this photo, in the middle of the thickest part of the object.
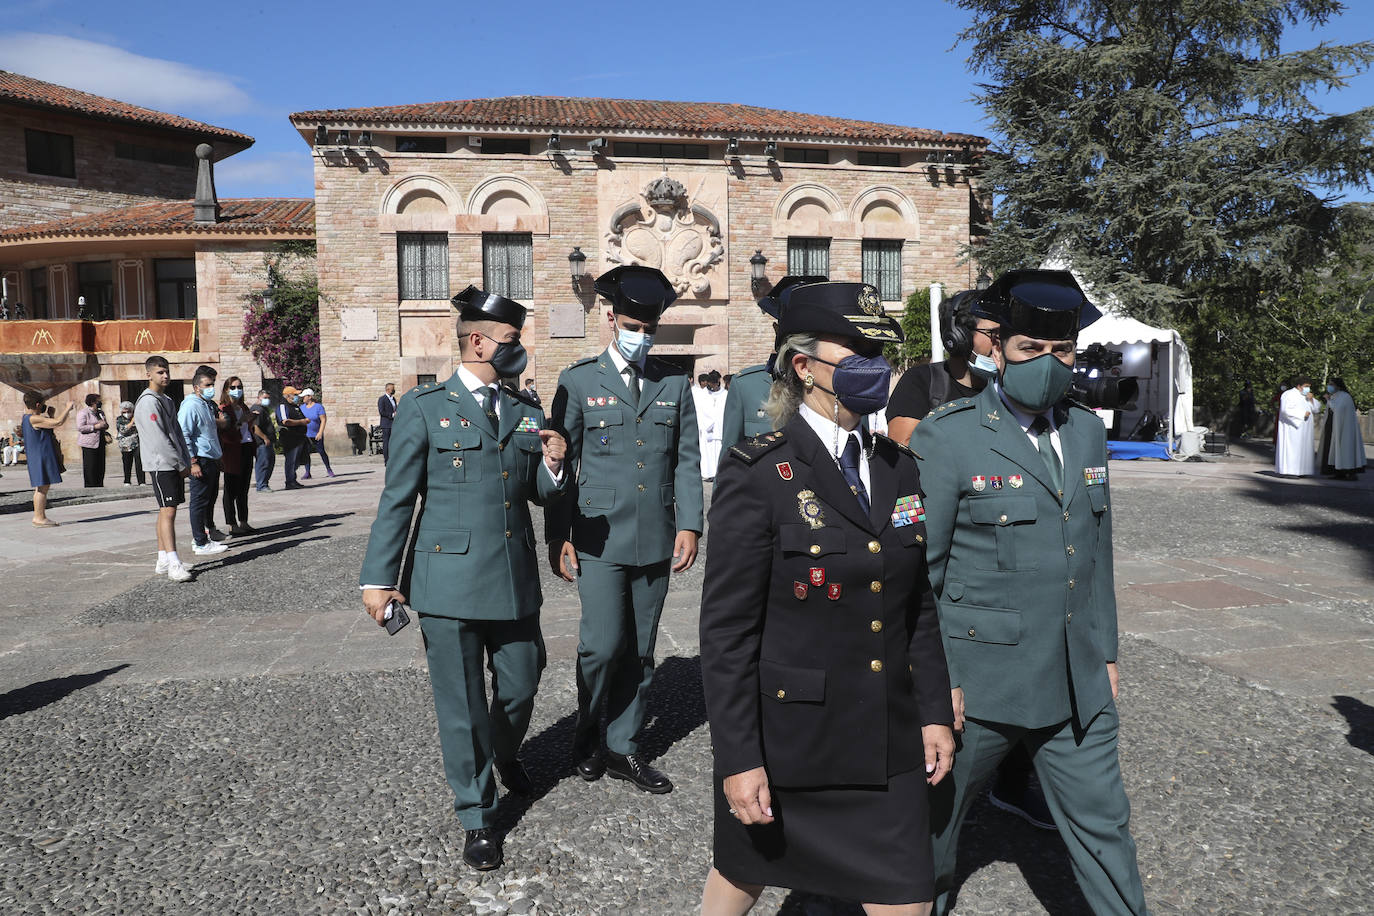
(887, 160)
(808, 256)
(422, 265)
(882, 267)
(508, 264)
(807, 154)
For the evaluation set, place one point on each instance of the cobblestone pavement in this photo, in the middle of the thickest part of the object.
(249, 743)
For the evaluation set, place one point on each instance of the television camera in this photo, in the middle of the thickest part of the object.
(1097, 382)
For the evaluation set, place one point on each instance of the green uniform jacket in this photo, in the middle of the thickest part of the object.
(1022, 577)
(744, 416)
(638, 470)
(473, 555)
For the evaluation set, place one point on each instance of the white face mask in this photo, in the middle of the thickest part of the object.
(983, 367)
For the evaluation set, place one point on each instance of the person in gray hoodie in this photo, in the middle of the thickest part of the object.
(166, 460)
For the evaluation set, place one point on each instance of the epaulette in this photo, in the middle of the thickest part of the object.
(950, 407)
(427, 388)
(520, 396)
(752, 370)
(879, 437)
(755, 447)
(584, 362)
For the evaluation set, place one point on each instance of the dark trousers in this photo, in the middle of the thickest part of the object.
(93, 465)
(386, 442)
(316, 446)
(132, 461)
(267, 460)
(291, 454)
(204, 490)
(236, 488)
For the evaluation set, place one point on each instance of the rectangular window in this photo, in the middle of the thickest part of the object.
(95, 284)
(508, 264)
(808, 256)
(636, 150)
(805, 154)
(37, 306)
(882, 267)
(497, 146)
(426, 378)
(175, 280)
(422, 264)
(50, 154)
(156, 154)
(886, 160)
(422, 144)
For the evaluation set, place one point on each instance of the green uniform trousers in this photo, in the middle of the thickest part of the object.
(615, 651)
(1081, 777)
(472, 733)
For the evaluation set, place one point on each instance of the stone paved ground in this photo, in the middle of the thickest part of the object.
(249, 743)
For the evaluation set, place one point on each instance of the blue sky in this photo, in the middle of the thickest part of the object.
(247, 65)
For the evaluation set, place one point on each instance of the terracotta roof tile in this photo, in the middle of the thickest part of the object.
(262, 215)
(26, 90)
(694, 118)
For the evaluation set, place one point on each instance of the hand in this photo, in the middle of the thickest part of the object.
(375, 601)
(749, 798)
(555, 449)
(195, 469)
(1114, 677)
(956, 699)
(684, 551)
(319, 437)
(939, 742)
(185, 472)
(563, 560)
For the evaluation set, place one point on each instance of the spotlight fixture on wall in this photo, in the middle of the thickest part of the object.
(555, 144)
(364, 138)
(597, 146)
(732, 148)
(770, 150)
(341, 138)
(321, 135)
(577, 266)
(758, 265)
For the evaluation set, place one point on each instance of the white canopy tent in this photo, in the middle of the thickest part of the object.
(1158, 358)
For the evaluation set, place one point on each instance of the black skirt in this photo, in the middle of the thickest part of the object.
(869, 844)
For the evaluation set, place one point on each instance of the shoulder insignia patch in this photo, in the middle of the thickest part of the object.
(427, 389)
(950, 408)
(752, 449)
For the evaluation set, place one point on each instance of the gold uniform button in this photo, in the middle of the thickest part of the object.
(505, 475)
(815, 550)
(1066, 516)
(640, 465)
(455, 445)
(508, 504)
(1069, 550)
(500, 446)
(602, 423)
(437, 548)
(875, 586)
(1002, 519)
(670, 421)
(1070, 617)
(639, 419)
(875, 666)
(589, 502)
(876, 626)
(508, 534)
(641, 487)
(1071, 583)
(874, 547)
(973, 634)
(920, 539)
(639, 442)
(782, 694)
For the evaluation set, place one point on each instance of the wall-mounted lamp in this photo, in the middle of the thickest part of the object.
(577, 266)
(597, 146)
(732, 147)
(341, 138)
(770, 149)
(758, 265)
(364, 138)
(555, 144)
(983, 281)
(321, 135)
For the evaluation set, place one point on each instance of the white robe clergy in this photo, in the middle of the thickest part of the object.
(1295, 452)
(1346, 446)
(708, 430)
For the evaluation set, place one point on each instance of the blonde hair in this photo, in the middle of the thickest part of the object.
(785, 395)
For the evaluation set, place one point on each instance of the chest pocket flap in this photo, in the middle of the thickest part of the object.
(1097, 496)
(443, 540)
(527, 442)
(461, 437)
(1002, 510)
(815, 542)
(600, 419)
(789, 684)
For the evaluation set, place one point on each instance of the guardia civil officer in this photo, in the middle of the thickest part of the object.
(473, 454)
(744, 412)
(824, 676)
(1020, 553)
(636, 503)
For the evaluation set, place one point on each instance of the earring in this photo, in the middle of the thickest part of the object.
(809, 382)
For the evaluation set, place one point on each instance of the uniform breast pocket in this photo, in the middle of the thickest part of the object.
(604, 432)
(812, 542)
(1012, 521)
(529, 452)
(665, 429)
(457, 454)
(1097, 497)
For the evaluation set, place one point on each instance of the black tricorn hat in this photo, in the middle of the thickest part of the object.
(474, 304)
(842, 309)
(1045, 304)
(777, 297)
(640, 292)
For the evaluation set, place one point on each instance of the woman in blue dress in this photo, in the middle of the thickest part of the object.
(40, 445)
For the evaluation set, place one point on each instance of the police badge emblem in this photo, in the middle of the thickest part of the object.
(997, 483)
(784, 470)
(833, 591)
(800, 589)
(810, 509)
(463, 422)
(869, 302)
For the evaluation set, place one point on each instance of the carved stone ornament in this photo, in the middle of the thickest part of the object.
(665, 228)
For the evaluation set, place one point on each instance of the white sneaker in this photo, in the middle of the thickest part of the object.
(208, 547)
(178, 573)
(161, 566)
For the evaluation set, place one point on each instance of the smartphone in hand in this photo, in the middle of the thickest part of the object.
(395, 617)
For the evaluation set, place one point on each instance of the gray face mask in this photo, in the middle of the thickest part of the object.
(1036, 384)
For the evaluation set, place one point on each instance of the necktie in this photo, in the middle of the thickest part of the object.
(486, 399)
(633, 383)
(1041, 428)
(849, 466)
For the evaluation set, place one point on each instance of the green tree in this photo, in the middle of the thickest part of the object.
(1169, 150)
(915, 323)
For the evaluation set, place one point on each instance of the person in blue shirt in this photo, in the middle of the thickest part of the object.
(200, 423)
(314, 432)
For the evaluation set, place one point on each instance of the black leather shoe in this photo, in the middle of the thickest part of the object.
(515, 778)
(590, 768)
(629, 767)
(482, 849)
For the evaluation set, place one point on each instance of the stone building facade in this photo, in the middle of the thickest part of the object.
(415, 202)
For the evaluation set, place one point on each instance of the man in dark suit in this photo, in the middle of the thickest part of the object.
(386, 410)
(479, 455)
(1020, 552)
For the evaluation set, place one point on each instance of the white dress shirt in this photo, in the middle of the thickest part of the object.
(834, 438)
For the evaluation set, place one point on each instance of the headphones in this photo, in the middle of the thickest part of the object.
(957, 325)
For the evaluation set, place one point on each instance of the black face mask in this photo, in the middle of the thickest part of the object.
(509, 358)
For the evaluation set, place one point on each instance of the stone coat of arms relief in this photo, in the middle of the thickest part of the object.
(676, 230)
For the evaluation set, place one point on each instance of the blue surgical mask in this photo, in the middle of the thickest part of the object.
(1306, 390)
(266, 402)
(208, 392)
(1038, 383)
(236, 393)
(983, 367)
(633, 345)
(861, 382)
(295, 399)
(1330, 389)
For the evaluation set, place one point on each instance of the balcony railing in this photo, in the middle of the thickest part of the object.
(162, 335)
